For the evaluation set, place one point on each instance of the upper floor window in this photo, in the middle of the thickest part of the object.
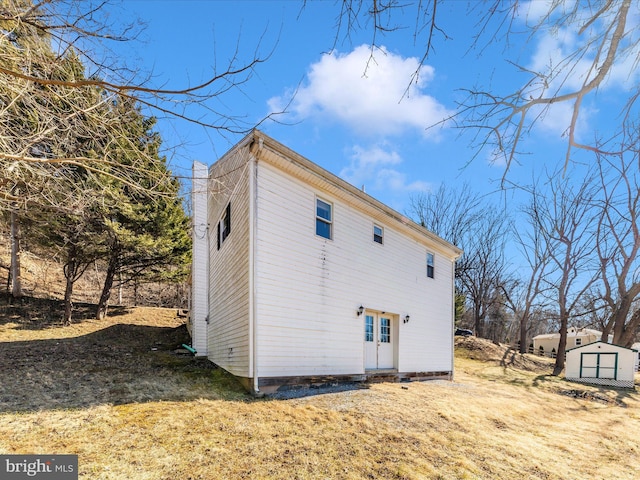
(224, 226)
(430, 265)
(324, 218)
(378, 234)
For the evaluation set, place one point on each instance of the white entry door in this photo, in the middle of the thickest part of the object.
(379, 341)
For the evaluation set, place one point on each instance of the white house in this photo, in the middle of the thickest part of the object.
(547, 344)
(601, 363)
(301, 278)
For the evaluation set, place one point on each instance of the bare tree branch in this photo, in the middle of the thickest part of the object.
(618, 244)
(56, 117)
(604, 39)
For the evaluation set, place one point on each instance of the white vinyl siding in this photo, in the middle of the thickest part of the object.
(228, 329)
(308, 291)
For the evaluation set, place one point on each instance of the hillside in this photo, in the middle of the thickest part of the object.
(115, 393)
(42, 278)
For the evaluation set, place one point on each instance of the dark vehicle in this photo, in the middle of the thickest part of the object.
(463, 332)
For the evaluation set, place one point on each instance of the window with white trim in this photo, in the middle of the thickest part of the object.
(324, 219)
(430, 265)
(378, 234)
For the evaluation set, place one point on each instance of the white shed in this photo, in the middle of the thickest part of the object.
(601, 363)
(301, 278)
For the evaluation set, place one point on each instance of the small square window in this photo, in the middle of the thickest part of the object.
(430, 265)
(578, 341)
(378, 234)
(324, 218)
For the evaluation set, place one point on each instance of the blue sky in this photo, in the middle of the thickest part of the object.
(355, 118)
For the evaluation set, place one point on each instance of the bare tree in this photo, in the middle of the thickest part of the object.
(527, 293)
(448, 212)
(58, 84)
(563, 220)
(479, 229)
(601, 28)
(619, 238)
(483, 271)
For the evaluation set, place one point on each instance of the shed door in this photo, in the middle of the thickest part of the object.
(379, 341)
(599, 365)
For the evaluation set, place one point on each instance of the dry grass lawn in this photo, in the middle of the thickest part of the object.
(114, 393)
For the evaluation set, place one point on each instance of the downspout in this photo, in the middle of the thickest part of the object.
(253, 334)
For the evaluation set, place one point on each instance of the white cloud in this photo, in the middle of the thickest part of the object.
(533, 12)
(374, 169)
(371, 95)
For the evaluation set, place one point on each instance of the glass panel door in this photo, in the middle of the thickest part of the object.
(370, 342)
(385, 343)
(379, 341)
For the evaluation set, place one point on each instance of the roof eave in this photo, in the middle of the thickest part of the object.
(267, 144)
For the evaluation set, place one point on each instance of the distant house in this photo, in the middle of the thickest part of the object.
(300, 278)
(547, 344)
(601, 363)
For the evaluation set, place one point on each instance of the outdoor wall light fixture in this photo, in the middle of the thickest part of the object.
(406, 319)
(360, 310)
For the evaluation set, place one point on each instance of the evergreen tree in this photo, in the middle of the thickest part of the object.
(147, 236)
(81, 163)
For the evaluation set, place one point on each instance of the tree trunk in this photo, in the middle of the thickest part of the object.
(478, 323)
(120, 288)
(620, 318)
(68, 304)
(103, 303)
(562, 346)
(14, 273)
(77, 263)
(606, 331)
(70, 271)
(628, 337)
(523, 333)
